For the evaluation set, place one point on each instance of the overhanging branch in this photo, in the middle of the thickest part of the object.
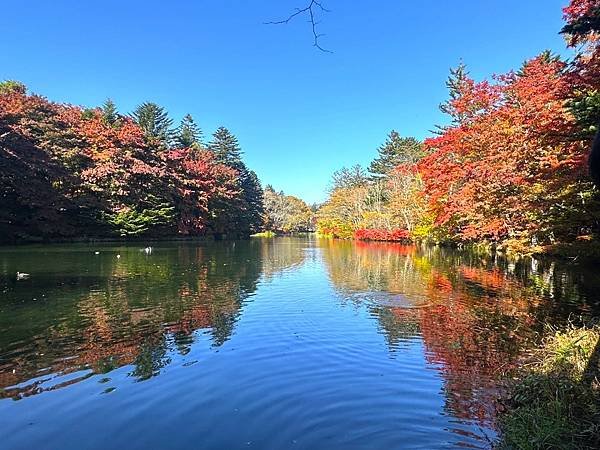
(310, 11)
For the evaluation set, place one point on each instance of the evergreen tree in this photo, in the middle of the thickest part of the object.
(187, 134)
(254, 202)
(226, 149)
(109, 112)
(454, 84)
(154, 121)
(396, 150)
(248, 208)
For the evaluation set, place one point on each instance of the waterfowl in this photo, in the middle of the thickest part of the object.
(118, 256)
(148, 250)
(22, 276)
(96, 253)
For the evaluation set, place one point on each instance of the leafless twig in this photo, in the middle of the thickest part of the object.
(309, 10)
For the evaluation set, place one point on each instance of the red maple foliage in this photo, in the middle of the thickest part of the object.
(66, 171)
(505, 170)
(381, 235)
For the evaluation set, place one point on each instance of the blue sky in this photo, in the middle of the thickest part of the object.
(298, 113)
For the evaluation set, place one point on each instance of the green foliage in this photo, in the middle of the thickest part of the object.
(333, 227)
(66, 172)
(265, 234)
(455, 83)
(188, 134)
(554, 404)
(568, 352)
(11, 86)
(395, 151)
(249, 208)
(154, 121)
(88, 114)
(226, 149)
(109, 112)
(585, 106)
(252, 214)
(585, 24)
(131, 222)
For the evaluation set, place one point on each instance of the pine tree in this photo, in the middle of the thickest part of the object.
(254, 202)
(396, 150)
(154, 121)
(454, 84)
(187, 134)
(226, 149)
(249, 207)
(109, 112)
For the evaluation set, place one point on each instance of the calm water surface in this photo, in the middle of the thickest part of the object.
(269, 344)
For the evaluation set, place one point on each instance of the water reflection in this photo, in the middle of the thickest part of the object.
(299, 339)
(82, 311)
(476, 315)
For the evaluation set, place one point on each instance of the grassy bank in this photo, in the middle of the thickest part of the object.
(554, 402)
(268, 234)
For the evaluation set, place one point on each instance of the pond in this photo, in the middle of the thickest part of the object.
(292, 342)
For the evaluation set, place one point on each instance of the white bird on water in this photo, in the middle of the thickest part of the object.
(148, 250)
(22, 276)
(118, 256)
(96, 253)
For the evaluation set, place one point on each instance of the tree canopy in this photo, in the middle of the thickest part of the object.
(68, 172)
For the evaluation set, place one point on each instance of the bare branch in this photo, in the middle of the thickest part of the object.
(309, 10)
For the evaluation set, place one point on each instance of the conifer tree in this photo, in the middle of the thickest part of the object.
(226, 149)
(253, 198)
(187, 134)
(249, 209)
(396, 150)
(455, 83)
(109, 112)
(154, 121)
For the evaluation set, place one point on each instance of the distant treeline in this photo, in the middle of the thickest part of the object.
(69, 172)
(510, 168)
(286, 213)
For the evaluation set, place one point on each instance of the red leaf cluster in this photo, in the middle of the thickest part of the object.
(381, 235)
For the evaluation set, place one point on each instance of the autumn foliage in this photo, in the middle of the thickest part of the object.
(511, 167)
(68, 172)
(381, 235)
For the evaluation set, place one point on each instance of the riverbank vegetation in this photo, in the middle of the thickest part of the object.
(555, 400)
(509, 170)
(71, 172)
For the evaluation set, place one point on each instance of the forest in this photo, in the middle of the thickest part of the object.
(70, 172)
(509, 170)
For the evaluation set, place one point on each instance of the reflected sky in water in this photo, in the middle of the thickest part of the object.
(268, 343)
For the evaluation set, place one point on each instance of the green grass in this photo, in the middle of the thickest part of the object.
(268, 234)
(555, 402)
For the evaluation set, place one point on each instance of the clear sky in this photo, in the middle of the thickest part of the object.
(298, 113)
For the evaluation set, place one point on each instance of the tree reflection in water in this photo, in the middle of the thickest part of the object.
(140, 315)
(136, 310)
(476, 315)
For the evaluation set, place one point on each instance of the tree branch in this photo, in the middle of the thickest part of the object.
(309, 10)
